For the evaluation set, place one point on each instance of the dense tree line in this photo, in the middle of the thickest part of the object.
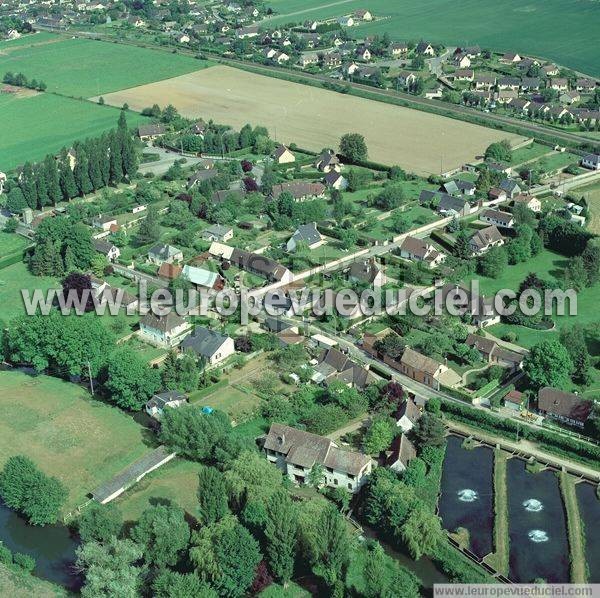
(89, 166)
(20, 80)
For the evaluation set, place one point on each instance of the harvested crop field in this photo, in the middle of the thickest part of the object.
(315, 118)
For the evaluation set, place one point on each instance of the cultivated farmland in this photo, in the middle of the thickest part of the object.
(315, 118)
(69, 435)
(82, 68)
(556, 29)
(35, 125)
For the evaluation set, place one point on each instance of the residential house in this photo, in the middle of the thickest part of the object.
(306, 234)
(425, 48)
(151, 132)
(217, 232)
(335, 180)
(529, 201)
(166, 331)
(509, 83)
(367, 272)
(506, 96)
(282, 155)
(591, 161)
(419, 250)
(346, 21)
(332, 60)
(484, 82)
(300, 190)
(480, 308)
(171, 399)
(296, 452)
(162, 252)
(453, 206)
(335, 366)
(496, 195)
(398, 48)
(209, 345)
(108, 250)
(485, 239)
(511, 187)
(401, 454)
(363, 53)
(219, 197)
(494, 353)
(363, 14)
(328, 161)
(204, 174)
(502, 219)
(201, 278)
(510, 58)
(458, 187)
(199, 128)
(407, 415)
(464, 75)
(308, 58)
(136, 21)
(246, 32)
(104, 222)
(569, 97)
(462, 61)
(563, 406)
(560, 84)
(585, 85)
(169, 271)
(421, 368)
(406, 78)
(531, 84)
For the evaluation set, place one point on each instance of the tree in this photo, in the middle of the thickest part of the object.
(422, 532)
(353, 147)
(81, 171)
(100, 523)
(573, 339)
(548, 364)
(375, 572)
(280, 533)
(575, 275)
(332, 546)
(130, 380)
(212, 496)
(390, 197)
(29, 491)
(493, 263)
(192, 433)
(380, 435)
(250, 477)
(110, 569)
(429, 431)
(15, 200)
(163, 533)
(227, 556)
(149, 230)
(170, 584)
(316, 476)
(499, 151)
(591, 261)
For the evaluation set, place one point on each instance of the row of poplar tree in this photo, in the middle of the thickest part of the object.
(90, 165)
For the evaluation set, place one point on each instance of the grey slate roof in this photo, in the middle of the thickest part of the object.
(163, 323)
(307, 233)
(203, 342)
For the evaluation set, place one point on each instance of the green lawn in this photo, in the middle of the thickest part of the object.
(12, 280)
(559, 30)
(84, 68)
(556, 161)
(232, 400)
(592, 196)
(81, 441)
(177, 482)
(38, 125)
(11, 243)
(28, 40)
(529, 152)
(18, 584)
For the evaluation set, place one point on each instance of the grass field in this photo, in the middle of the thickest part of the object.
(529, 152)
(68, 434)
(41, 37)
(12, 280)
(316, 118)
(592, 196)
(555, 29)
(11, 243)
(83, 68)
(37, 125)
(22, 585)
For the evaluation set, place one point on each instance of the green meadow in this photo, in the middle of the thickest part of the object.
(37, 125)
(84, 68)
(560, 30)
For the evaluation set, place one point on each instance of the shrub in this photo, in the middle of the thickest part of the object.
(24, 561)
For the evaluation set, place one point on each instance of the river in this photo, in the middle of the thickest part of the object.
(52, 547)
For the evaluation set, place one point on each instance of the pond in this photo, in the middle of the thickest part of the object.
(537, 526)
(467, 499)
(589, 510)
(52, 546)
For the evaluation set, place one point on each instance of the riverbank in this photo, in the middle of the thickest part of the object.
(499, 559)
(18, 584)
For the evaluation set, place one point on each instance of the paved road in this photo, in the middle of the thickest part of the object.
(167, 159)
(436, 63)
